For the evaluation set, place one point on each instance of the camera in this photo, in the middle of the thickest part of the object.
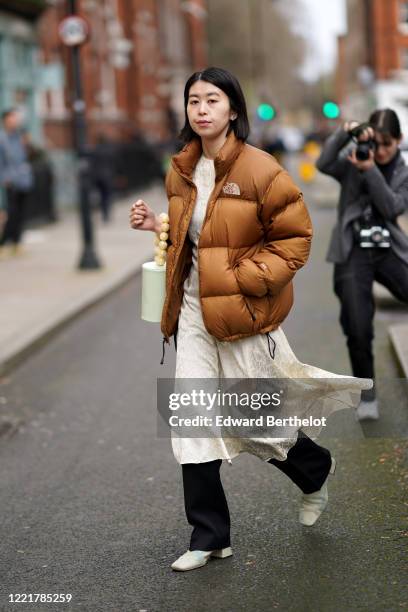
(375, 236)
(369, 233)
(364, 147)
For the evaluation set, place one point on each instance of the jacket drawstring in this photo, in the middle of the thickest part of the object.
(272, 354)
(164, 349)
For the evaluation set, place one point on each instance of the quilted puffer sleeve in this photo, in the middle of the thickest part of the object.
(288, 235)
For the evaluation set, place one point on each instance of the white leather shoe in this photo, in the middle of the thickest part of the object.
(193, 559)
(368, 411)
(313, 504)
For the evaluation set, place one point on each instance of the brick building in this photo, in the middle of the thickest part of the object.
(373, 58)
(134, 67)
(388, 38)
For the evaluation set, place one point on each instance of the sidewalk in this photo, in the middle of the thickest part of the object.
(42, 289)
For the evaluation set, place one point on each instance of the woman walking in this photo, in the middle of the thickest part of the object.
(367, 243)
(239, 231)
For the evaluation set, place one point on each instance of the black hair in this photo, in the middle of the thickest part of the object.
(7, 112)
(230, 86)
(386, 122)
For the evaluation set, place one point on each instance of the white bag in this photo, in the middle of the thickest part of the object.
(153, 291)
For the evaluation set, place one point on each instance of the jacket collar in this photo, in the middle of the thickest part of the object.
(185, 161)
(400, 161)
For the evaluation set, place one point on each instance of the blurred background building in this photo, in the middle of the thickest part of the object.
(134, 68)
(372, 68)
(140, 53)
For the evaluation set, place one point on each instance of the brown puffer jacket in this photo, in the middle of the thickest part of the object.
(256, 234)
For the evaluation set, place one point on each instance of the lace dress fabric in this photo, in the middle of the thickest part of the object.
(315, 392)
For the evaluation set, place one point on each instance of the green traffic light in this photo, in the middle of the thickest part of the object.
(266, 112)
(331, 110)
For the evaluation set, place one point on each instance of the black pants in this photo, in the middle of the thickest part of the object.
(16, 204)
(353, 284)
(307, 465)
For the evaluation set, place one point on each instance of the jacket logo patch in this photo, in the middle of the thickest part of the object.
(232, 189)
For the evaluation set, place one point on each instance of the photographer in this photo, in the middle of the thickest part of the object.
(367, 243)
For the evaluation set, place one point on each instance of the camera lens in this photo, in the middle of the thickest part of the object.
(363, 151)
(376, 236)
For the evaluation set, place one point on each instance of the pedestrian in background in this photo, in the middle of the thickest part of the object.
(239, 231)
(103, 171)
(367, 243)
(16, 178)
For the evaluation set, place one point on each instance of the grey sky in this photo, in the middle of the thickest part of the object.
(323, 20)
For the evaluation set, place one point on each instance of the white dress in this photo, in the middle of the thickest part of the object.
(201, 355)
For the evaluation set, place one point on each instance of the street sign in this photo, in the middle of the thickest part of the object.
(73, 30)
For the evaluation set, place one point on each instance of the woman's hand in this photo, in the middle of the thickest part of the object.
(365, 134)
(251, 277)
(350, 125)
(143, 217)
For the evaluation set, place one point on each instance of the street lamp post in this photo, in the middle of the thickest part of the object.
(73, 34)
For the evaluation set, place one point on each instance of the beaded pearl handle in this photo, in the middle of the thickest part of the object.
(160, 241)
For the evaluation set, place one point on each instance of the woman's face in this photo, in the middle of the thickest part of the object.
(208, 110)
(387, 147)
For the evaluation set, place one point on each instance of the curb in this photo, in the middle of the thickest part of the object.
(40, 336)
(398, 333)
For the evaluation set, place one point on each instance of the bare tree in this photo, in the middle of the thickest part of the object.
(254, 39)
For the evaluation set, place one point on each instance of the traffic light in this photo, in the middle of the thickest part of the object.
(266, 112)
(331, 110)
